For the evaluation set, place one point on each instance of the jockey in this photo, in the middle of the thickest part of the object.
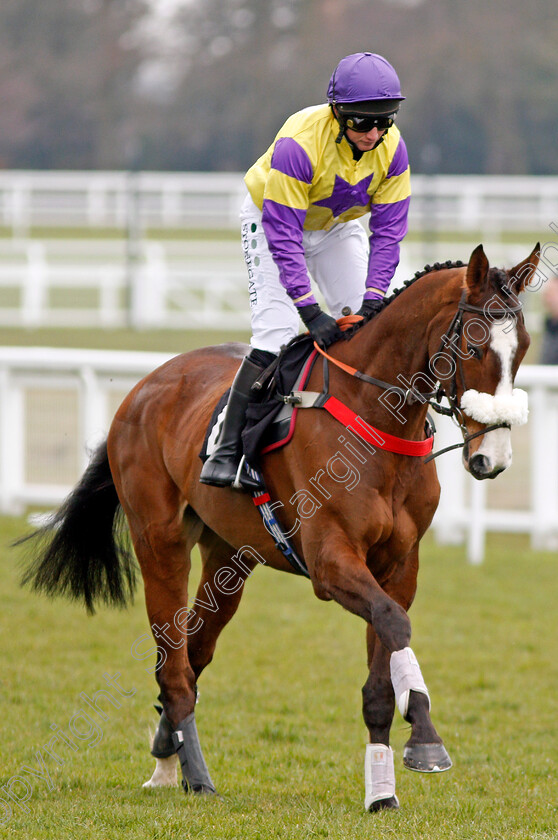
(328, 165)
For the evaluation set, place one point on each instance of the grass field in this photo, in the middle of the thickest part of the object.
(279, 715)
(163, 341)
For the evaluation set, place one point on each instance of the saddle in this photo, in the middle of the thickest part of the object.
(270, 423)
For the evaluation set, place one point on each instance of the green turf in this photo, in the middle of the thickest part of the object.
(279, 715)
(94, 233)
(164, 341)
(417, 233)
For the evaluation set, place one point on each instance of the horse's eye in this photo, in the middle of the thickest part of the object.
(474, 351)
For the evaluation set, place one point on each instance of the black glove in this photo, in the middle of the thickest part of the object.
(370, 307)
(321, 326)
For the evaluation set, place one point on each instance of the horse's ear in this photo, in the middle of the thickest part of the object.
(477, 269)
(524, 272)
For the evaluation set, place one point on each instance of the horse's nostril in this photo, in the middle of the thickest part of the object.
(479, 465)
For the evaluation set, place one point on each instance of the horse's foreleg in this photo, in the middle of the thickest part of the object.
(424, 750)
(395, 676)
(378, 706)
(339, 573)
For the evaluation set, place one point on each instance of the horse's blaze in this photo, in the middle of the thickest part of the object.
(493, 452)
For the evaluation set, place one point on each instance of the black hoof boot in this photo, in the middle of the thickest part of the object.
(390, 804)
(426, 758)
(195, 775)
(163, 744)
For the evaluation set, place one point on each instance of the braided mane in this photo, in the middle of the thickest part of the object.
(496, 276)
(418, 274)
(350, 332)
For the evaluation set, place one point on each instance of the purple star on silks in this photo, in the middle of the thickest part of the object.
(345, 195)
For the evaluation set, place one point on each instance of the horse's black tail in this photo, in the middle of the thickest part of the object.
(81, 552)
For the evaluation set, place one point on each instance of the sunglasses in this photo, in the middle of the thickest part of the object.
(367, 123)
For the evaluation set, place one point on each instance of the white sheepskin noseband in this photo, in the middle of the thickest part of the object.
(496, 408)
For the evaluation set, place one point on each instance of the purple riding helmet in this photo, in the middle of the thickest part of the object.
(366, 93)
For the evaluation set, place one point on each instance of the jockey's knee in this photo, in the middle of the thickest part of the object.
(262, 358)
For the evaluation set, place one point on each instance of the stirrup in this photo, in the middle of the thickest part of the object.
(236, 483)
(249, 483)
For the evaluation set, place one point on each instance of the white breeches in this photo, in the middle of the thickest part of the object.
(337, 261)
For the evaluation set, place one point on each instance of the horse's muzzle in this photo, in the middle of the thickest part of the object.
(481, 467)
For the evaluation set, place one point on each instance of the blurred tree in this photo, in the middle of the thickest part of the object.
(65, 82)
(111, 83)
(481, 80)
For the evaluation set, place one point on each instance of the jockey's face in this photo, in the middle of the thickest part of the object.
(364, 141)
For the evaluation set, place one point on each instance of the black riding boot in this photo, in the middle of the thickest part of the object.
(221, 467)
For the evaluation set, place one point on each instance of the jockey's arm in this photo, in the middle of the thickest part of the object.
(388, 224)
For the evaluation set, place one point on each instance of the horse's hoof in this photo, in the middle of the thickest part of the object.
(384, 804)
(426, 758)
(204, 790)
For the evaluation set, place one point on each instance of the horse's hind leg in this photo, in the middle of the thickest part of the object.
(217, 599)
(163, 532)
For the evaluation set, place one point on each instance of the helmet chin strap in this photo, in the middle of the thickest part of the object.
(358, 153)
(380, 140)
(341, 122)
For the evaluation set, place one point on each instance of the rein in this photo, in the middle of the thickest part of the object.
(452, 337)
(358, 374)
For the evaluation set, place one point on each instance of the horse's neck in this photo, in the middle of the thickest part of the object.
(394, 349)
(397, 348)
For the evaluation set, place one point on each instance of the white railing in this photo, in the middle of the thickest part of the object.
(212, 200)
(119, 199)
(96, 284)
(193, 284)
(55, 405)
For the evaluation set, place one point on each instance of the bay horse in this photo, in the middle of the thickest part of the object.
(455, 330)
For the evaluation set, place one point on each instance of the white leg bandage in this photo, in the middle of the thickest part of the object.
(379, 775)
(406, 676)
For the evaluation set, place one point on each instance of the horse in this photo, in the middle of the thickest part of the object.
(455, 331)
